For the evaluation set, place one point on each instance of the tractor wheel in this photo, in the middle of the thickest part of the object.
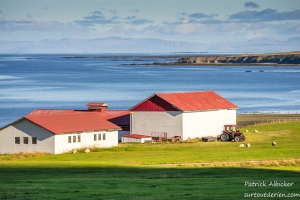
(243, 138)
(237, 138)
(224, 137)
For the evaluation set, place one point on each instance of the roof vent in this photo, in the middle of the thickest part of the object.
(97, 106)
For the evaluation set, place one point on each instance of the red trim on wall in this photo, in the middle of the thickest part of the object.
(155, 104)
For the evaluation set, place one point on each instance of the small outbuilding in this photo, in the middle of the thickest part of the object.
(182, 114)
(136, 138)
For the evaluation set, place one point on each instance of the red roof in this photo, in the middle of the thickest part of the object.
(50, 112)
(71, 122)
(186, 101)
(118, 117)
(136, 136)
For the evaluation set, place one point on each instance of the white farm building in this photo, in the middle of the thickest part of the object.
(60, 131)
(184, 114)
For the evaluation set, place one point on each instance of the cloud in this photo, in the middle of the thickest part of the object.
(185, 18)
(96, 18)
(188, 25)
(265, 15)
(191, 29)
(14, 23)
(201, 15)
(31, 30)
(137, 21)
(113, 12)
(29, 15)
(226, 30)
(212, 21)
(130, 17)
(140, 21)
(217, 32)
(95, 15)
(237, 26)
(289, 29)
(251, 4)
(36, 26)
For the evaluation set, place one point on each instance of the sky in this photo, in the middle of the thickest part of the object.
(181, 20)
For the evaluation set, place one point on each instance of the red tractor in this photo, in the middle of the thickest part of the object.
(230, 133)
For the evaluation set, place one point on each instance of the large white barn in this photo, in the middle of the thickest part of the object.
(60, 131)
(184, 114)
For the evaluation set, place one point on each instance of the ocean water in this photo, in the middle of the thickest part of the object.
(29, 82)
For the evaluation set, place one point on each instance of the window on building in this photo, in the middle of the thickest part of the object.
(79, 138)
(69, 139)
(99, 136)
(17, 140)
(95, 137)
(104, 136)
(74, 138)
(34, 140)
(25, 140)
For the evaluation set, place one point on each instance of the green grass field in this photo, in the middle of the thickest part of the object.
(198, 170)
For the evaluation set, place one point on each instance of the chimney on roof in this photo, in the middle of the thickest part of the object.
(97, 106)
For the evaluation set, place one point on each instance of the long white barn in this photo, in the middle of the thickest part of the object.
(60, 131)
(184, 114)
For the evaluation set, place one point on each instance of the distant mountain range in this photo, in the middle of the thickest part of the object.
(145, 45)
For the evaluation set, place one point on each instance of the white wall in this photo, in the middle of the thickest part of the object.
(210, 123)
(139, 140)
(176, 123)
(127, 139)
(62, 144)
(25, 128)
(146, 122)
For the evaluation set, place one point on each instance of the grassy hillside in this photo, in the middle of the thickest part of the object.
(197, 170)
(253, 119)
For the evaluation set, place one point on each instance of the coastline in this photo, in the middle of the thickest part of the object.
(266, 59)
(263, 59)
(269, 59)
(217, 64)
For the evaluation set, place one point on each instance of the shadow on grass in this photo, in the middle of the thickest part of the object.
(113, 182)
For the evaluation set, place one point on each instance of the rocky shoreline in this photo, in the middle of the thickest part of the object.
(214, 64)
(279, 59)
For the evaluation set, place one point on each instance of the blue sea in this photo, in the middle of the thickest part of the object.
(29, 82)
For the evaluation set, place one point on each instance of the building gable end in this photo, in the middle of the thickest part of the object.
(154, 103)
